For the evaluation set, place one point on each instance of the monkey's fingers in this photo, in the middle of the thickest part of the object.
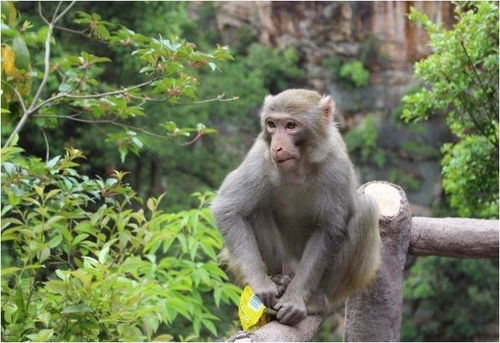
(290, 315)
(281, 291)
(282, 279)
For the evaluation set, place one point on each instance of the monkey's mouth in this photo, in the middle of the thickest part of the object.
(285, 161)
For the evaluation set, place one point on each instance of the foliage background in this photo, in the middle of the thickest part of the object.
(436, 289)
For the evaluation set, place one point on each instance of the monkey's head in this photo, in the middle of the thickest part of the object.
(295, 123)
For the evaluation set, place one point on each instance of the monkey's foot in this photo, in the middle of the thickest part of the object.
(240, 336)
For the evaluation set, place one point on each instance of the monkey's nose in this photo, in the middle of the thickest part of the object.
(278, 149)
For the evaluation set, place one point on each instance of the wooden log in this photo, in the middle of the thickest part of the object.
(454, 237)
(277, 332)
(374, 314)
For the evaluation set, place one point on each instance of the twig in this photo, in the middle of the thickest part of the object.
(47, 148)
(20, 98)
(82, 32)
(92, 96)
(57, 10)
(198, 136)
(27, 113)
(63, 12)
(478, 126)
(219, 98)
(106, 121)
(41, 13)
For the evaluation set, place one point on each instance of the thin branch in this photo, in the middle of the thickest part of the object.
(67, 29)
(481, 83)
(219, 98)
(63, 12)
(105, 121)
(47, 147)
(92, 96)
(57, 10)
(197, 137)
(27, 113)
(75, 118)
(19, 97)
(46, 68)
(41, 13)
(478, 126)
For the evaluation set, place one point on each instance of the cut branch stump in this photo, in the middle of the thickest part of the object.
(374, 314)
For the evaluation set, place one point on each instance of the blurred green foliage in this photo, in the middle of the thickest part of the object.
(350, 73)
(362, 142)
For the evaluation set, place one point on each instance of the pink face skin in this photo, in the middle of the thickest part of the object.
(285, 132)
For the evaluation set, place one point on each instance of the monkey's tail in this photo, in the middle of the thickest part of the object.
(359, 259)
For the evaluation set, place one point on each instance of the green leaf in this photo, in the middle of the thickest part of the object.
(78, 239)
(76, 309)
(22, 54)
(163, 338)
(52, 163)
(55, 241)
(9, 270)
(42, 336)
(56, 286)
(210, 326)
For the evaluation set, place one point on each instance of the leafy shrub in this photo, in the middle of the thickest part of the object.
(470, 176)
(435, 287)
(355, 73)
(362, 143)
(89, 263)
(461, 82)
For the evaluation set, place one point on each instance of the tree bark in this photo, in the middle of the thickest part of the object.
(454, 237)
(374, 314)
(276, 332)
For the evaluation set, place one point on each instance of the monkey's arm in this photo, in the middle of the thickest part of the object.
(240, 194)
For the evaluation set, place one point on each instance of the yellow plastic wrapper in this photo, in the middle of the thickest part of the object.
(251, 310)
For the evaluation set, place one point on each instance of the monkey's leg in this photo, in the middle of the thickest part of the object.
(291, 306)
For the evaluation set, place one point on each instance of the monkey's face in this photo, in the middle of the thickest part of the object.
(285, 135)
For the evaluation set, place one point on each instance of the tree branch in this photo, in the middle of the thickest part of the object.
(480, 82)
(45, 77)
(63, 12)
(93, 96)
(19, 97)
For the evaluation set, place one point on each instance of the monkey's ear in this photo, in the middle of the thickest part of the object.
(327, 106)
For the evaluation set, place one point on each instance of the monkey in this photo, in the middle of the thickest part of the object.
(294, 225)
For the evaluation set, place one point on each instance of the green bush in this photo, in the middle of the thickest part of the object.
(461, 82)
(470, 177)
(89, 263)
(355, 73)
(362, 143)
(453, 299)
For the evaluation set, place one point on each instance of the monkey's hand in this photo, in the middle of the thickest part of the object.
(282, 280)
(267, 291)
(291, 309)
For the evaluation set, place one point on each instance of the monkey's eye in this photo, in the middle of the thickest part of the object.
(271, 124)
(291, 125)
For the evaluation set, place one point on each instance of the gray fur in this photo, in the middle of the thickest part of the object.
(320, 232)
